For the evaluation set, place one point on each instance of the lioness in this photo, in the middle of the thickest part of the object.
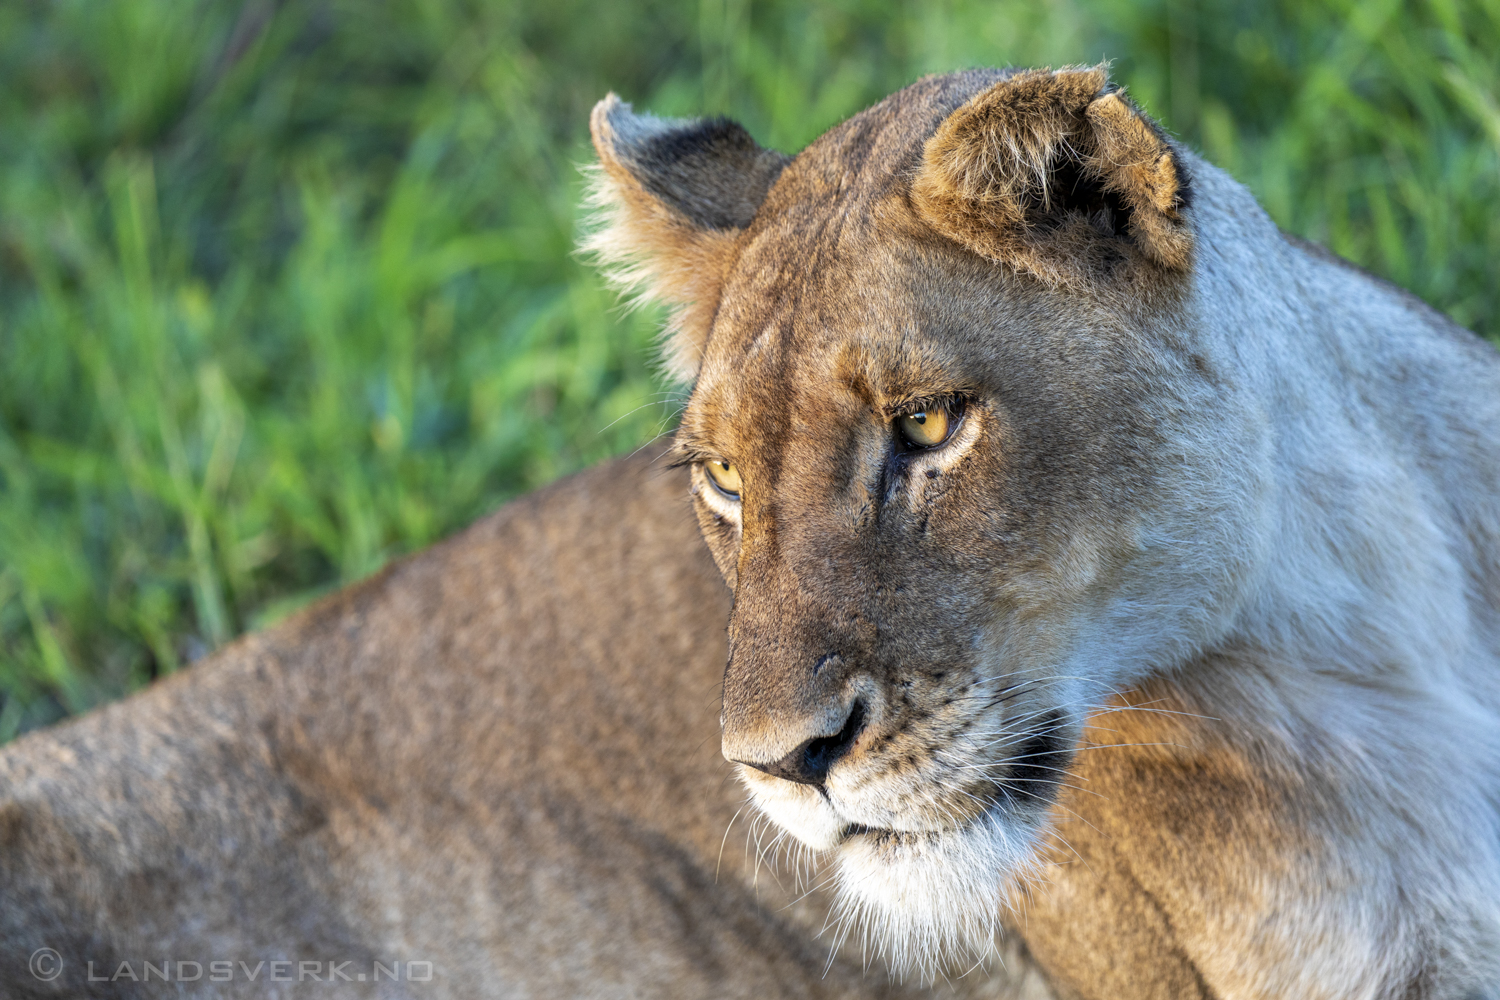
(1075, 514)
(1104, 565)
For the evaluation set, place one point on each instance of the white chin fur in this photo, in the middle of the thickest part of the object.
(928, 901)
(923, 902)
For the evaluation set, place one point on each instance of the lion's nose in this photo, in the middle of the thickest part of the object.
(810, 763)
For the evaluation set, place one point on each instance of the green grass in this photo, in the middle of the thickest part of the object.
(287, 290)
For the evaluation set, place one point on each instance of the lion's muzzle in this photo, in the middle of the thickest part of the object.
(808, 764)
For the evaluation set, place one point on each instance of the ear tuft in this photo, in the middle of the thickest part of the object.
(1134, 160)
(671, 197)
(1055, 173)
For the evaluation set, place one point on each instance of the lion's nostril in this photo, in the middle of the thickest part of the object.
(810, 763)
(821, 754)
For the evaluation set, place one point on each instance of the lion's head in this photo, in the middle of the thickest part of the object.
(965, 444)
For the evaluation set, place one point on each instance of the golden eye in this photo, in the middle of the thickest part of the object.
(926, 428)
(725, 476)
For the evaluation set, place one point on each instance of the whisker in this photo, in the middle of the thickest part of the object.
(720, 865)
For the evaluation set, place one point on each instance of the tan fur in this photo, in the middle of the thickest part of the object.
(987, 173)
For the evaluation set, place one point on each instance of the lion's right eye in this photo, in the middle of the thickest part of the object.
(929, 426)
(725, 477)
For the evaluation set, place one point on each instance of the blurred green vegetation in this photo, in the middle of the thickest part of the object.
(286, 289)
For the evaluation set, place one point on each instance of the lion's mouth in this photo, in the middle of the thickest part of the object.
(1031, 777)
(881, 836)
(885, 840)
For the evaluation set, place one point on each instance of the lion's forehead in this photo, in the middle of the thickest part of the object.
(865, 323)
(826, 355)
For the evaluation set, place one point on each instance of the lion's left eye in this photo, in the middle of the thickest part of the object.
(928, 427)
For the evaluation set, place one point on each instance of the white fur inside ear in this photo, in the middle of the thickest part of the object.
(668, 198)
(649, 255)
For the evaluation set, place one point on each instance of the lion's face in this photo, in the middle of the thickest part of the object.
(954, 492)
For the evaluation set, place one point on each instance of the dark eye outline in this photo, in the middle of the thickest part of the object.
(956, 407)
(715, 483)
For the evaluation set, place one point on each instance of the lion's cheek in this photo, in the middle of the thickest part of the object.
(798, 809)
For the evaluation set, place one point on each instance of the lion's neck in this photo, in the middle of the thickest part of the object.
(1380, 547)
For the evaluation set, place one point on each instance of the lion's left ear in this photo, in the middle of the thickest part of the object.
(1045, 171)
(673, 194)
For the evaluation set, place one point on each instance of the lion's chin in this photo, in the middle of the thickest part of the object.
(930, 901)
(923, 901)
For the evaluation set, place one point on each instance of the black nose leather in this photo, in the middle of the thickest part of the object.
(810, 763)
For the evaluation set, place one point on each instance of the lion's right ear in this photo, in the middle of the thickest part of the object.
(672, 195)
